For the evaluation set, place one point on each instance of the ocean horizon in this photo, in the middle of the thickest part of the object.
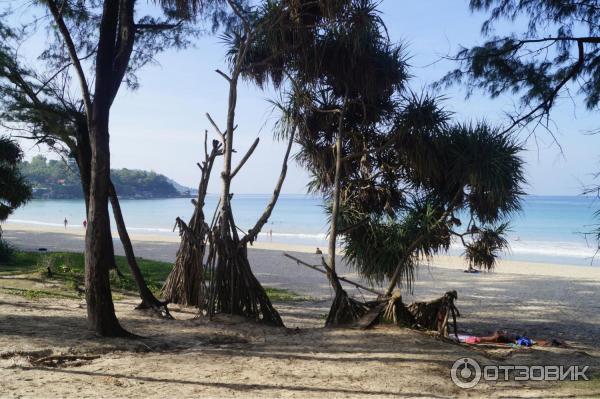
(549, 229)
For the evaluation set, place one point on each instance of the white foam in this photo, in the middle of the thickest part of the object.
(564, 249)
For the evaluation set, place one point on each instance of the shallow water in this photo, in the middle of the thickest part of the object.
(548, 229)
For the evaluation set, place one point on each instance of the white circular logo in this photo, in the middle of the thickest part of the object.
(465, 373)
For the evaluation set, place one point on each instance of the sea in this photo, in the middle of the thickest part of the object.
(548, 229)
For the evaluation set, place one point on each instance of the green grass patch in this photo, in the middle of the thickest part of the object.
(36, 294)
(283, 295)
(68, 267)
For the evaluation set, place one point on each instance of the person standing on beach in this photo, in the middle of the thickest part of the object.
(66, 222)
(84, 224)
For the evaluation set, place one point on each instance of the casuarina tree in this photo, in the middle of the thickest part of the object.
(556, 56)
(99, 45)
(38, 102)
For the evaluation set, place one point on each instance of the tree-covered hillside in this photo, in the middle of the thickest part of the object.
(52, 179)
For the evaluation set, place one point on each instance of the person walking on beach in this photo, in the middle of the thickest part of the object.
(84, 224)
(66, 222)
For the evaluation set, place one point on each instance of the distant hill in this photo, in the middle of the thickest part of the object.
(183, 190)
(52, 179)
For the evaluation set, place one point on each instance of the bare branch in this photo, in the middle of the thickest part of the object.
(219, 132)
(164, 26)
(264, 218)
(223, 74)
(245, 158)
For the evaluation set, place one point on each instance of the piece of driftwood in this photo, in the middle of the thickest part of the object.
(58, 360)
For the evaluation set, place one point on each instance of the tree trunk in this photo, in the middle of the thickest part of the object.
(344, 310)
(149, 301)
(233, 287)
(98, 254)
(84, 163)
(98, 241)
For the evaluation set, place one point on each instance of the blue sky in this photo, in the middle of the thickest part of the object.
(160, 126)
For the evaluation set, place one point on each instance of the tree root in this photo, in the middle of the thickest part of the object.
(344, 310)
(233, 287)
(160, 309)
(395, 311)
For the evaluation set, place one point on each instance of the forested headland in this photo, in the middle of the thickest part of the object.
(56, 179)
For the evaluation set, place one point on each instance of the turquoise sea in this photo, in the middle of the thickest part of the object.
(548, 229)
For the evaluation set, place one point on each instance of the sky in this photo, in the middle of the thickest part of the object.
(161, 125)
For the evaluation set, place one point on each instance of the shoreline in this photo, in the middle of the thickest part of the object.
(441, 261)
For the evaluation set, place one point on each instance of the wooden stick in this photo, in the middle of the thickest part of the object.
(219, 132)
(357, 285)
(245, 158)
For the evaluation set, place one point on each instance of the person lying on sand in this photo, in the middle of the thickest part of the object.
(503, 337)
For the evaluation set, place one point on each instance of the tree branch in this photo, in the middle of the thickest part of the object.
(253, 232)
(223, 74)
(64, 31)
(163, 26)
(219, 132)
(245, 158)
(546, 104)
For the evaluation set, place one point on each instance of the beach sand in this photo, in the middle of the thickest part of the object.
(194, 357)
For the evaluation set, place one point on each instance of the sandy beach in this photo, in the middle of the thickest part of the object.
(184, 358)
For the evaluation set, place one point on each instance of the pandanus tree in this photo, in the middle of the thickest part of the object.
(218, 248)
(342, 76)
(393, 169)
(457, 183)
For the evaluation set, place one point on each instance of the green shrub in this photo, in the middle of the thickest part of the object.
(7, 252)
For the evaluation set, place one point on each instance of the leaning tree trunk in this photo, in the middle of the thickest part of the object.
(344, 310)
(149, 301)
(185, 284)
(83, 156)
